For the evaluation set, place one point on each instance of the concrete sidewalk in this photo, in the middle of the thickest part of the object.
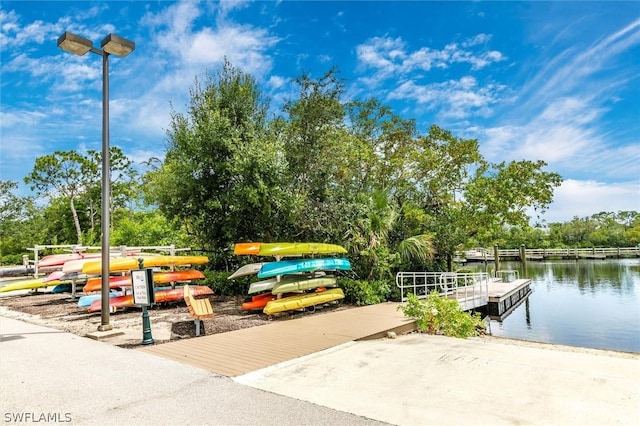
(411, 380)
(49, 376)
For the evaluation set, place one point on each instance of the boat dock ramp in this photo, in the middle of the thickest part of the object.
(249, 349)
(239, 352)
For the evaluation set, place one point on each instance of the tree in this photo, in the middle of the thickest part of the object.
(63, 173)
(223, 172)
(20, 223)
(76, 178)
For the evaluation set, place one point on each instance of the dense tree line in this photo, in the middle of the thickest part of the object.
(321, 169)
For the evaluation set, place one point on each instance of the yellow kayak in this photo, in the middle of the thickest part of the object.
(128, 263)
(302, 301)
(27, 284)
(298, 249)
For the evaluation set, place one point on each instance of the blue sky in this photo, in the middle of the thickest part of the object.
(555, 81)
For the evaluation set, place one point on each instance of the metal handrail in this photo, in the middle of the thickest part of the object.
(470, 289)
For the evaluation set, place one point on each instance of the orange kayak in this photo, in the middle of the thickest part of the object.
(162, 296)
(258, 302)
(95, 284)
(246, 248)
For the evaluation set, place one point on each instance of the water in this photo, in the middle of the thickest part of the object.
(586, 303)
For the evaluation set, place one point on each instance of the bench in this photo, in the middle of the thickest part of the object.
(198, 308)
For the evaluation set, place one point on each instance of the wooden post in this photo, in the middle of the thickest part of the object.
(496, 258)
(523, 259)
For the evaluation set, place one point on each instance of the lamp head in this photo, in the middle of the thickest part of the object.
(74, 43)
(116, 45)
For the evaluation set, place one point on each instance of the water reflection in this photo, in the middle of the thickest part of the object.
(588, 303)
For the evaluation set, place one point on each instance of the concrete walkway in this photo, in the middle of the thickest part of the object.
(411, 380)
(434, 380)
(48, 376)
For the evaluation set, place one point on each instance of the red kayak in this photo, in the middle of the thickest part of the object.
(95, 284)
(162, 296)
(260, 301)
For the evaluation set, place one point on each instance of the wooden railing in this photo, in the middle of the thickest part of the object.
(484, 253)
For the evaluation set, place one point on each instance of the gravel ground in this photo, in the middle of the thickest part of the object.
(168, 321)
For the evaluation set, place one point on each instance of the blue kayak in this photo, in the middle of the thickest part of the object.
(272, 269)
(86, 301)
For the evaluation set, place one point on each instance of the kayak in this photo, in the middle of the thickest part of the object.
(29, 284)
(86, 301)
(129, 263)
(95, 284)
(259, 301)
(162, 296)
(272, 269)
(61, 259)
(248, 269)
(304, 284)
(302, 301)
(246, 248)
(298, 249)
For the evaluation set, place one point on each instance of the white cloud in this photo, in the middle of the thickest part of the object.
(453, 98)
(391, 56)
(586, 198)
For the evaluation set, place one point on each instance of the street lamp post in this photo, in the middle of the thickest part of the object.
(111, 45)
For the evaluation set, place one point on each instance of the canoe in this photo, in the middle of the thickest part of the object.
(272, 269)
(299, 249)
(302, 301)
(304, 284)
(29, 284)
(128, 263)
(248, 269)
(162, 296)
(95, 284)
(246, 248)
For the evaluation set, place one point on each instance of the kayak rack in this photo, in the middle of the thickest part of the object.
(470, 289)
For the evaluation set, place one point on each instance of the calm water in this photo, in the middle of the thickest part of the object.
(587, 303)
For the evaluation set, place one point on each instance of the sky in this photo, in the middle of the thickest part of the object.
(552, 81)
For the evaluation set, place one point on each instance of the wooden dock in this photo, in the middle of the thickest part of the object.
(504, 297)
(241, 351)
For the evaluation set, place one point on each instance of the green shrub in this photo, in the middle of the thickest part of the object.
(360, 292)
(440, 315)
(222, 286)
(11, 259)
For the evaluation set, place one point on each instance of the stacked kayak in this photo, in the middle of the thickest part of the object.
(163, 295)
(291, 284)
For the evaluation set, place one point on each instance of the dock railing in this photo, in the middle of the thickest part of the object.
(470, 289)
(573, 253)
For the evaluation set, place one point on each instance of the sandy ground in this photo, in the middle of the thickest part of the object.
(168, 321)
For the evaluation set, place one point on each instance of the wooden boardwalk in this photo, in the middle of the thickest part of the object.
(241, 351)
